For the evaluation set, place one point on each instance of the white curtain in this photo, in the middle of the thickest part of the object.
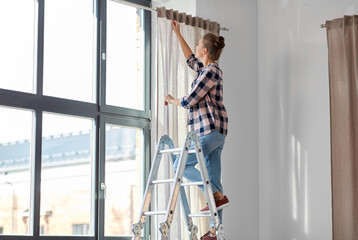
(174, 77)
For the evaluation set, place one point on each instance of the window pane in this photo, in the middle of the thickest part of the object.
(66, 183)
(80, 229)
(15, 170)
(69, 49)
(123, 177)
(124, 80)
(17, 32)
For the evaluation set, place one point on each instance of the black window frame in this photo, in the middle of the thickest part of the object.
(98, 111)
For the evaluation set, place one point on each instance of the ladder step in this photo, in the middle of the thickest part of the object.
(192, 183)
(163, 181)
(199, 215)
(175, 150)
(173, 180)
(155, 213)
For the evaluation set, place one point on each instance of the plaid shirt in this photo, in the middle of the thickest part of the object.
(205, 100)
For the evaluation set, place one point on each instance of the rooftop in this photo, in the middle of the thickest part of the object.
(65, 149)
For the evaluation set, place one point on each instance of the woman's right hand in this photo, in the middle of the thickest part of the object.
(176, 27)
(184, 46)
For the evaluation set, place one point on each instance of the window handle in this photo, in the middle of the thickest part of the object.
(104, 189)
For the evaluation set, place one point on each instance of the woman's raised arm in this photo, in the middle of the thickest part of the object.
(184, 46)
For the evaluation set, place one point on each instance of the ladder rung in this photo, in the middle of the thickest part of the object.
(199, 215)
(175, 150)
(155, 213)
(192, 183)
(163, 181)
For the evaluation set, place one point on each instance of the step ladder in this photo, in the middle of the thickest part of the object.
(178, 188)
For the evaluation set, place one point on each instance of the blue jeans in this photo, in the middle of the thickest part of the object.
(212, 145)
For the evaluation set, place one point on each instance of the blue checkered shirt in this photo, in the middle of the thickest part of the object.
(207, 112)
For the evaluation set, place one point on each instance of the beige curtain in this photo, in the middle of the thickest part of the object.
(174, 77)
(342, 37)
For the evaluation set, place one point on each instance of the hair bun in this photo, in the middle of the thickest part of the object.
(214, 44)
(219, 42)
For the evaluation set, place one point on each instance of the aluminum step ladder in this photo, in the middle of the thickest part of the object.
(176, 188)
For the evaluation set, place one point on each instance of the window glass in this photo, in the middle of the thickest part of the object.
(17, 35)
(80, 229)
(66, 176)
(69, 49)
(15, 170)
(123, 177)
(125, 49)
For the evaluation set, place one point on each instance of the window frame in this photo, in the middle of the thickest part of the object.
(127, 122)
(99, 111)
(147, 64)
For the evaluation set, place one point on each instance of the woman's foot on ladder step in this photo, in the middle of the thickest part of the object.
(220, 204)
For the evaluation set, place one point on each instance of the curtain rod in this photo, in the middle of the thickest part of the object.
(150, 9)
(323, 25)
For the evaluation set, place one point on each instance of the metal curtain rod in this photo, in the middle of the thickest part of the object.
(150, 9)
(323, 25)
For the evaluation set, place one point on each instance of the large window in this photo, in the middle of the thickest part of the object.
(74, 107)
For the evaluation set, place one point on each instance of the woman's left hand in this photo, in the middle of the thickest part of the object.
(169, 98)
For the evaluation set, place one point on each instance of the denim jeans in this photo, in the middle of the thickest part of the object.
(212, 145)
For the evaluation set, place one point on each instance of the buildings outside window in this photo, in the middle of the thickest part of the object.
(80, 229)
(66, 196)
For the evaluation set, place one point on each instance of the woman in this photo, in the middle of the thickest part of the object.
(207, 114)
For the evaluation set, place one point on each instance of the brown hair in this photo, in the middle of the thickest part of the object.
(214, 44)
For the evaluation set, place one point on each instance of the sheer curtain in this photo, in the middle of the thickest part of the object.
(342, 35)
(174, 77)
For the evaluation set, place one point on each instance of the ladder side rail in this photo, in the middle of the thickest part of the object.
(152, 176)
(183, 197)
(206, 180)
(175, 190)
(138, 226)
(186, 209)
(193, 229)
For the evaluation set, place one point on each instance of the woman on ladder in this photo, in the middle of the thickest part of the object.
(207, 114)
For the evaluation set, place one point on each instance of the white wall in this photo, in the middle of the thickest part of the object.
(276, 161)
(294, 126)
(240, 155)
